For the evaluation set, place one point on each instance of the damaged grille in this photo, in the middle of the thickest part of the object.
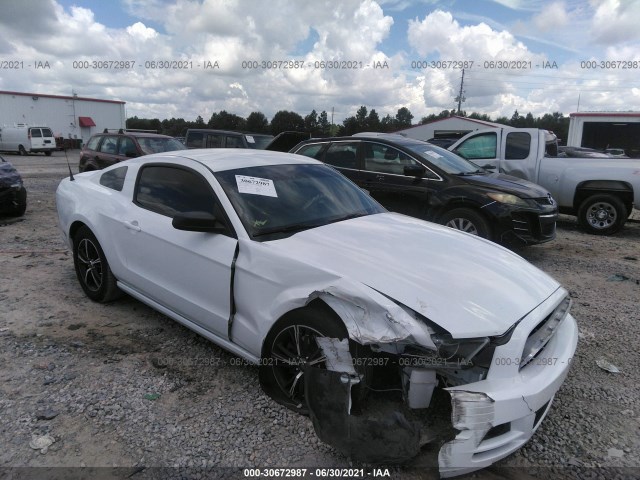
(542, 333)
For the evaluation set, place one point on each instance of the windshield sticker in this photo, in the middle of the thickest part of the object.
(256, 186)
(433, 154)
(250, 139)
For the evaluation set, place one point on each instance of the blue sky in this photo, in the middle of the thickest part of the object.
(496, 35)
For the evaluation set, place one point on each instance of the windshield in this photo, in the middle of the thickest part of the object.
(444, 159)
(259, 142)
(151, 145)
(279, 200)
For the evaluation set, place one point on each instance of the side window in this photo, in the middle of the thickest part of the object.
(385, 159)
(194, 140)
(518, 146)
(35, 132)
(92, 144)
(481, 146)
(311, 150)
(169, 190)
(342, 155)
(46, 132)
(109, 145)
(214, 141)
(234, 142)
(114, 179)
(126, 146)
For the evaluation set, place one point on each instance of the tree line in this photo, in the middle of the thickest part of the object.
(318, 124)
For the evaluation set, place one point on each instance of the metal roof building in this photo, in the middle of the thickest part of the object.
(449, 127)
(68, 116)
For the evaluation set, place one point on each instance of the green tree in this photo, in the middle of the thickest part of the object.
(403, 118)
(285, 120)
(311, 123)
(323, 124)
(257, 122)
(373, 121)
(227, 121)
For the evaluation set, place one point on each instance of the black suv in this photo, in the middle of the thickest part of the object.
(107, 148)
(425, 181)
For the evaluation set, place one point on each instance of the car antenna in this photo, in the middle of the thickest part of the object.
(69, 165)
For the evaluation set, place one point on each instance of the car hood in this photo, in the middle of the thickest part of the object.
(506, 183)
(8, 175)
(469, 286)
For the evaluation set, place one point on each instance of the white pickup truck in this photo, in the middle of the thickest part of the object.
(601, 192)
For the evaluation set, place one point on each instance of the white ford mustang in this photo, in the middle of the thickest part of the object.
(284, 262)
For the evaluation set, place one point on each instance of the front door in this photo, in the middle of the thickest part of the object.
(186, 272)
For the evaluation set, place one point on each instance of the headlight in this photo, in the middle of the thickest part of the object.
(507, 198)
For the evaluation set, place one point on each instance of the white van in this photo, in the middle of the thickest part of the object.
(24, 139)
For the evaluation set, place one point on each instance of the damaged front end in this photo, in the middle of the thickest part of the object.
(376, 400)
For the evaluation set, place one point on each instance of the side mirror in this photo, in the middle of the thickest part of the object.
(414, 170)
(197, 222)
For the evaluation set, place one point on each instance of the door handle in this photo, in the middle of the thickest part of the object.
(132, 225)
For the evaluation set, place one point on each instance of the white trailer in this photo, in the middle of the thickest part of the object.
(25, 139)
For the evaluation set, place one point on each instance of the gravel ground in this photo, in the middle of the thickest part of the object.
(120, 385)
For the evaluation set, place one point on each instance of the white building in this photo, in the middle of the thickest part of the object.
(450, 127)
(70, 117)
(602, 130)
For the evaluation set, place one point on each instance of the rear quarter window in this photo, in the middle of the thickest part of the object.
(47, 132)
(114, 179)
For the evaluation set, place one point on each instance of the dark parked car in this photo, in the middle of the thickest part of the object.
(425, 181)
(108, 148)
(209, 138)
(13, 195)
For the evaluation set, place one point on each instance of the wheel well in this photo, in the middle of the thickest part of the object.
(457, 203)
(618, 188)
(75, 226)
(316, 304)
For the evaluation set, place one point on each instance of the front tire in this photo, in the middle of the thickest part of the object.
(290, 346)
(92, 268)
(602, 214)
(21, 201)
(467, 220)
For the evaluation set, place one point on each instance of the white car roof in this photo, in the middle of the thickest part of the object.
(220, 159)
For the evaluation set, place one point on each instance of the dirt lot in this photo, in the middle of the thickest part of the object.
(120, 385)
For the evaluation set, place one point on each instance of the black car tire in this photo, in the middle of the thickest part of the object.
(285, 383)
(21, 201)
(467, 220)
(22, 151)
(48, 153)
(92, 268)
(602, 214)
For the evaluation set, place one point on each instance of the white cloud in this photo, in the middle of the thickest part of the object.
(551, 17)
(615, 21)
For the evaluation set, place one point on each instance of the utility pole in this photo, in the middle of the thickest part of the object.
(460, 98)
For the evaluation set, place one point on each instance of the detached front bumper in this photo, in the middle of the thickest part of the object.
(499, 415)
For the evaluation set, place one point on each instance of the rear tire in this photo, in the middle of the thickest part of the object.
(467, 220)
(92, 268)
(602, 214)
(289, 346)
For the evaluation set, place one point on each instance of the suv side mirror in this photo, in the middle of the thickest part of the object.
(197, 222)
(414, 170)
